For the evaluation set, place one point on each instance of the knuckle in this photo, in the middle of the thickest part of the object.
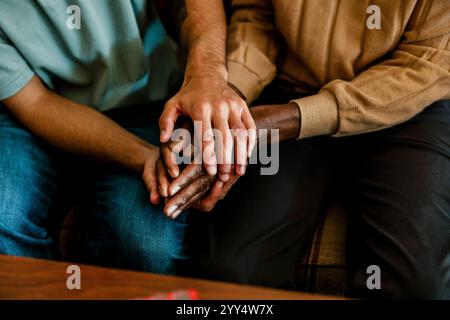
(204, 106)
(170, 104)
(240, 133)
(223, 110)
(197, 114)
(183, 200)
(203, 182)
(227, 136)
(209, 136)
(239, 107)
(208, 207)
(236, 123)
(251, 123)
(186, 196)
(198, 169)
(201, 108)
(164, 120)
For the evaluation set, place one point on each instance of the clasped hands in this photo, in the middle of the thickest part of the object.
(221, 160)
(214, 104)
(194, 186)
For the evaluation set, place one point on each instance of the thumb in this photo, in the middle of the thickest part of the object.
(167, 121)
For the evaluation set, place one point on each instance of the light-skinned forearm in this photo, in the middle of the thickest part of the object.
(76, 128)
(204, 35)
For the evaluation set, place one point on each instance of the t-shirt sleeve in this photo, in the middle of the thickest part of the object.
(15, 72)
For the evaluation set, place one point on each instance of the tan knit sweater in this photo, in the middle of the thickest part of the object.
(358, 79)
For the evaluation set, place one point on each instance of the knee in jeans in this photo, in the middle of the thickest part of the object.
(144, 239)
(22, 216)
(160, 256)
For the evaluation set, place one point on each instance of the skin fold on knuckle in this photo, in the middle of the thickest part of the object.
(193, 200)
(189, 175)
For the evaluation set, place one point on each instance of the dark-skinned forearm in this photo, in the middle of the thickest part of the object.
(286, 118)
(193, 181)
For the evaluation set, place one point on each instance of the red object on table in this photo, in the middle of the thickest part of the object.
(190, 294)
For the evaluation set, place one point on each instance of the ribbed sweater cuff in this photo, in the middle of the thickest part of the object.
(319, 115)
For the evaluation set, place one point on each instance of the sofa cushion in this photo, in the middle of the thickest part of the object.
(323, 269)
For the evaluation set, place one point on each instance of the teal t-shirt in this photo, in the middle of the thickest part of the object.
(102, 53)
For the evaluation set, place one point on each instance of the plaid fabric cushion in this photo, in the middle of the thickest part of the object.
(323, 269)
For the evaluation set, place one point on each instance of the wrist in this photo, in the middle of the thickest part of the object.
(139, 155)
(285, 118)
(203, 60)
(206, 71)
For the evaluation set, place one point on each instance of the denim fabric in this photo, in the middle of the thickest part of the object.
(122, 228)
(31, 180)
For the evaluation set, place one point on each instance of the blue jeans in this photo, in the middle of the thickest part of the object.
(122, 228)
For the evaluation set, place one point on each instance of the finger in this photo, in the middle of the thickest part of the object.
(169, 159)
(224, 147)
(227, 186)
(249, 123)
(167, 120)
(187, 176)
(163, 179)
(190, 203)
(181, 200)
(218, 192)
(151, 183)
(198, 197)
(184, 140)
(209, 155)
(179, 145)
(240, 145)
(209, 202)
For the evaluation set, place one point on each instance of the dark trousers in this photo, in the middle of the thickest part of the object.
(396, 183)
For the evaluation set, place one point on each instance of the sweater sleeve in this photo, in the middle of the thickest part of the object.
(392, 91)
(252, 46)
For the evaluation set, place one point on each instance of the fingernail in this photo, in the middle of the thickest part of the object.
(176, 214)
(154, 199)
(212, 170)
(241, 170)
(174, 173)
(225, 177)
(174, 190)
(171, 210)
